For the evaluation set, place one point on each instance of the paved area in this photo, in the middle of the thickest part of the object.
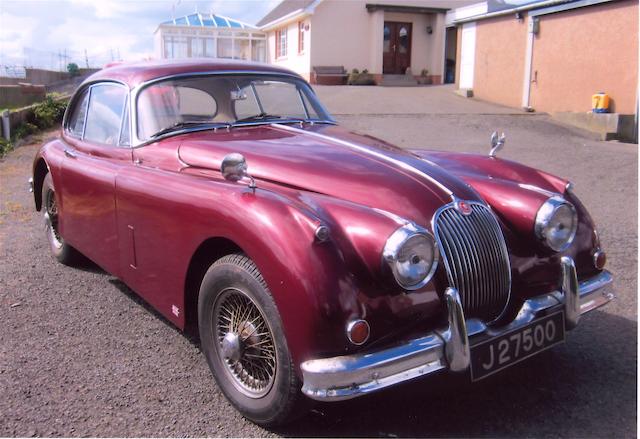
(81, 355)
(370, 100)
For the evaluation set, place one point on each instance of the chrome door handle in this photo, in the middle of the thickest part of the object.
(70, 153)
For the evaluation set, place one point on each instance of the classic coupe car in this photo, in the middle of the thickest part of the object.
(315, 263)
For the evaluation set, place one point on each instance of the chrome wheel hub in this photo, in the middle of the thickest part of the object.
(245, 343)
(232, 346)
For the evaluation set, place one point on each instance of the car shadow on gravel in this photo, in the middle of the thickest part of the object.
(190, 335)
(560, 392)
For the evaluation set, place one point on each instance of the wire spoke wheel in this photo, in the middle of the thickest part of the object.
(51, 217)
(244, 343)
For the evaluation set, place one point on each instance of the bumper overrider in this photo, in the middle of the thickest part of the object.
(349, 376)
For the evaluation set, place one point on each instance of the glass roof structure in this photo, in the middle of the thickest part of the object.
(208, 20)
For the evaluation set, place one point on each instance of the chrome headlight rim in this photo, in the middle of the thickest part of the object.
(544, 216)
(394, 244)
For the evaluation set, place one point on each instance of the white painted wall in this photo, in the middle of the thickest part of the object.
(467, 55)
(298, 62)
(345, 33)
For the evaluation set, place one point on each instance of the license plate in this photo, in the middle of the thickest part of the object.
(493, 355)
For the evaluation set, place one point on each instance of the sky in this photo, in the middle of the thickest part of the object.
(37, 32)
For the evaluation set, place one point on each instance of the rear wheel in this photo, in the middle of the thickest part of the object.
(62, 251)
(243, 340)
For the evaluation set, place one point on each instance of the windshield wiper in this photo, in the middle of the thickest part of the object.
(180, 125)
(259, 116)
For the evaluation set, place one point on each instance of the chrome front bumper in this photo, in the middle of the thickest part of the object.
(349, 376)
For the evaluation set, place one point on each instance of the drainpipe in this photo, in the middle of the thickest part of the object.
(528, 63)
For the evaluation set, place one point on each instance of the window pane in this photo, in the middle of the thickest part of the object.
(223, 99)
(221, 22)
(283, 43)
(224, 48)
(196, 48)
(242, 50)
(403, 40)
(76, 121)
(280, 98)
(258, 50)
(386, 42)
(180, 46)
(171, 102)
(104, 115)
(209, 47)
(247, 107)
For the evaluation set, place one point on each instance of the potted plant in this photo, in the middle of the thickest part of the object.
(361, 78)
(424, 77)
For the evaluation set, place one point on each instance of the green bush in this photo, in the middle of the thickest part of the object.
(49, 111)
(5, 146)
(24, 130)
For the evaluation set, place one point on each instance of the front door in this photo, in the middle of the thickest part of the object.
(95, 152)
(396, 48)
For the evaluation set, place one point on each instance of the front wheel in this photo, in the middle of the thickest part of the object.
(242, 338)
(62, 251)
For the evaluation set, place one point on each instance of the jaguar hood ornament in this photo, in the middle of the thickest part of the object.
(497, 143)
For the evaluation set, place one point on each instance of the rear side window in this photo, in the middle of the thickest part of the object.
(104, 117)
(78, 114)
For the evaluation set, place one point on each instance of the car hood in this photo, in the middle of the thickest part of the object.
(333, 161)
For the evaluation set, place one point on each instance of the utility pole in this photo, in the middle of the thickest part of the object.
(111, 50)
(86, 58)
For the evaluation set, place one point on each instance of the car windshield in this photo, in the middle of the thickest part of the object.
(224, 100)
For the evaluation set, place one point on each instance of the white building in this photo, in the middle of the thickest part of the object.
(211, 36)
(392, 37)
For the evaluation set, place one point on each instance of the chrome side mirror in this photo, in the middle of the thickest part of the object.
(497, 143)
(234, 168)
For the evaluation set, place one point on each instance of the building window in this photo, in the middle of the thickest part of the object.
(281, 43)
(301, 34)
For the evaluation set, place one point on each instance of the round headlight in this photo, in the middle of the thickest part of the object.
(412, 255)
(556, 223)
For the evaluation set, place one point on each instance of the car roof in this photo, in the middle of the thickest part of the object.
(134, 74)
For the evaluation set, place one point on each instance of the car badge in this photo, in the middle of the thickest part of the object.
(464, 207)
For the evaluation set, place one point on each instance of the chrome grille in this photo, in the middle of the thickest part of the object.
(476, 259)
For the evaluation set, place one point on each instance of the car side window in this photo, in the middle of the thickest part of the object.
(75, 126)
(104, 117)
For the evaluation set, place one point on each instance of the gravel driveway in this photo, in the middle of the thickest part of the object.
(81, 355)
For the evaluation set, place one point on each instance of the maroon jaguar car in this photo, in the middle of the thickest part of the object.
(315, 263)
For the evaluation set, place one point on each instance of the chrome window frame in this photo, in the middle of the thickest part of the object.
(89, 87)
(136, 142)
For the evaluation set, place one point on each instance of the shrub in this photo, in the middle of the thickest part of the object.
(5, 146)
(25, 129)
(49, 111)
(424, 73)
(355, 71)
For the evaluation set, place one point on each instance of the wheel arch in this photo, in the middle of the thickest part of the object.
(40, 171)
(209, 251)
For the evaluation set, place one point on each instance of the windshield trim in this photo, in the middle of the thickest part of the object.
(136, 142)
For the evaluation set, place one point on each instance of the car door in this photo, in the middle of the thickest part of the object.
(96, 150)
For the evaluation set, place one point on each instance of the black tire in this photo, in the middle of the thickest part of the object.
(234, 280)
(60, 250)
